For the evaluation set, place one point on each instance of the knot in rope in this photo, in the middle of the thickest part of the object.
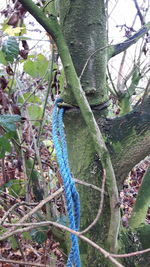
(71, 194)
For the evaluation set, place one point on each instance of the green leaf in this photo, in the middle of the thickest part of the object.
(35, 113)
(9, 122)
(39, 235)
(13, 242)
(15, 187)
(28, 96)
(10, 48)
(37, 68)
(2, 58)
(26, 236)
(4, 146)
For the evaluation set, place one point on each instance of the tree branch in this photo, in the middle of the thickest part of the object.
(24, 263)
(136, 253)
(30, 226)
(116, 49)
(90, 186)
(110, 256)
(139, 12)
(142, 202)
(39, 206)
(14, 207)
(129, 139)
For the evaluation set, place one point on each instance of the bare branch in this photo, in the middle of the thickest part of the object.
(120, 72)
(136, 253)
(118, 48)
(110, 256)
(87, 61)
(14, 207)
(24, 263)
(139, 12)
(100, 206)
(89, 185)
(30, 226)
(39, 206)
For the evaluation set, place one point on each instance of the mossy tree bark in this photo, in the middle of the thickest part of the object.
(84, 27)
(127, 139)
(79, 22)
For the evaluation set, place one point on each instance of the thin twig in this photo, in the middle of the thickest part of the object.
(50, 1)
(3, 170)
(136, 253)
(47, 95)
(139, 12)
(100, 206)
(14, 207)
(113, 9)
(13, 78)
(20, 248)
(30, 226)
(112, 83)
(39, 206)
(24, 263)
(42, 203)
(120, 84)
(89, 185)
(87, 61)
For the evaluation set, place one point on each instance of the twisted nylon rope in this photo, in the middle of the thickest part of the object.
(71, 194)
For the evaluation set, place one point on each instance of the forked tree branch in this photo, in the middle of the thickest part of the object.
(139, 12)
(116, 49)
(30, 226)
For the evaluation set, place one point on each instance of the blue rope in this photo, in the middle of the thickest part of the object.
(71, 194)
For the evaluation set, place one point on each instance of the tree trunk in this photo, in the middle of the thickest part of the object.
(126, 148)
(86, 166)
(84, 27)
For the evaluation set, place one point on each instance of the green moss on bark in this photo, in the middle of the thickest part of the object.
(85, 165)
(84, 28)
